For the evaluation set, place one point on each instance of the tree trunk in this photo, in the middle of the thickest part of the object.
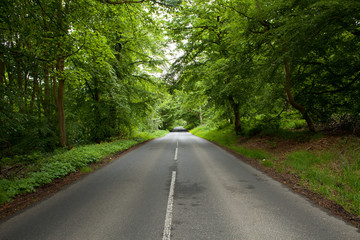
(2, 72)
(47, 92)
(26, 82)
(237, 122)
(62, 12)
(34, 93)
(54, 89)
(19, 78)
(11, 83)
(60, 101)
(291, 99)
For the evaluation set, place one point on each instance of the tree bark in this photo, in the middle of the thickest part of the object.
(54, 89)
(2, 72)
(237, 122)
(19, 78)
(46, 92)
(291, 99)
(60, 101)
(26, 82)
(60, 64)
(34, 93)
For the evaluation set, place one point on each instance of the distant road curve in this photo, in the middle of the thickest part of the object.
(179, 129)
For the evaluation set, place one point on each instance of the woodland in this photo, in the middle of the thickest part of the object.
(88, 71)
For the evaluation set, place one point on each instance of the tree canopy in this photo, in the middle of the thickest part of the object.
(73, 72)
(256, 61)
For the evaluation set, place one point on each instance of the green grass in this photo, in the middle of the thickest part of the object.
(252, 153)
(334, 174)
(86, 169)
(303, 160)
(323, 173)
(64, 162)
(227, 138)
(223, 136)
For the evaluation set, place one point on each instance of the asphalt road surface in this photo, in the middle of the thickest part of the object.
(176, 187)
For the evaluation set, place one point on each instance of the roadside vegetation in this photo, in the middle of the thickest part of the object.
(326, 164)
(24, 173)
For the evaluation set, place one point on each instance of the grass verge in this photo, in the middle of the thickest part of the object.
(332, 170)
(48, 168)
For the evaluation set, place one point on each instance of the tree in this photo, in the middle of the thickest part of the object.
(247, 50)
(88, 61)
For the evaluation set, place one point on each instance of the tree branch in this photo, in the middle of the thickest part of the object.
(122, 2)
(235, 10)
(342, 88)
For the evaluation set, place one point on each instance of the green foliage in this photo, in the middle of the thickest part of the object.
(105, 57)
(234, 54)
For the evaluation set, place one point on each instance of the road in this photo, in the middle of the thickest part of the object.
(183, 184)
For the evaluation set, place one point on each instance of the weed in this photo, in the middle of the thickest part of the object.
(272, 144)
(86, 169)
(267, 163)
(280, 169)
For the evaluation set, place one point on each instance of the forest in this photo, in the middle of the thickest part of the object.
(76, 72)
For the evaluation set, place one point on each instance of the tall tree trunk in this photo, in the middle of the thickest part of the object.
(54, 89)
(26, 82)
(2, 78)
(47, 91)
(10, 85)
(60, 101)
(34, 93)
(19, 78)
(291, 99)
(200, 115)
(40, 101)
(62, 12)
(2, 72)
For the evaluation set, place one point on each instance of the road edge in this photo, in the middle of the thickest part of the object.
(27, 200)
(292, 181)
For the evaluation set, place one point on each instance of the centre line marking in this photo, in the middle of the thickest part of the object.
(176, 154)
(169, 210)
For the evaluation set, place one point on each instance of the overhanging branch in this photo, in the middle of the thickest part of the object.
(122, 2)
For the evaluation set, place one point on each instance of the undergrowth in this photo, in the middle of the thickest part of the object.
(44, 169)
